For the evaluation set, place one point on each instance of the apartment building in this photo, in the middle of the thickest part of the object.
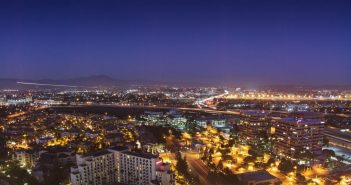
(119, 165)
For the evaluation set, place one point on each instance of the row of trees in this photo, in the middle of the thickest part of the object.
(183, 169)
(15, 175)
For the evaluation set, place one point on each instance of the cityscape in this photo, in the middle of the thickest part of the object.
(178, 92)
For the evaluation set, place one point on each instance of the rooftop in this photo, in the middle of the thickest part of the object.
(301, 120)
(260, 175)
(119, 148)
(210, 118)
(257, 113)
(308, 115)
(97, 153)
(142, 155)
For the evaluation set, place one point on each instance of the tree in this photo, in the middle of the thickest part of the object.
(253, 153)
(225, 151)
(220, 165)
(16, 175)
(57, 175)
(325, 141)
(270, 161)
(249, 159)
(264, 135)
(182, 165)
(328, 153)
(227, 171)
(286, 166)
(300, 178)
(196, 180)
(3, 150)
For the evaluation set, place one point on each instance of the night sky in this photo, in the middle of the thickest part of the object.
(246, 41)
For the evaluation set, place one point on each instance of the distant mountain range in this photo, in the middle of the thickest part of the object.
(107, 81)
(90, 81)
(87, 82)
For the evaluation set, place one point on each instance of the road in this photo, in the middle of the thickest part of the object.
(26, 112)
(207, 110)
(202, 102)
(155, 107)
(198, 167)
(227, 112)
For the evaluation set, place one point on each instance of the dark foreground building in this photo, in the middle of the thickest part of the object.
(261, 177)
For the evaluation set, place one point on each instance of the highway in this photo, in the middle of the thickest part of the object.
(202, 102)
(26, 112)
(211, 111)
(157, 107)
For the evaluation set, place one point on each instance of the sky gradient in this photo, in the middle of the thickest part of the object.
(246, 41)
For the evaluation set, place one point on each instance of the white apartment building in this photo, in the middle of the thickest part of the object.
(97, 168)
(119, 165)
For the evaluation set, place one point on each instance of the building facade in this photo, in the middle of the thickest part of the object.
(260, 177)
(96, 168)
(212, 121)
(26, 158)
(252, 125)
(296, 136)
(119, 165)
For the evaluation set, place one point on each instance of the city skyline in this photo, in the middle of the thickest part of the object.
(175, 92)
(240, 42)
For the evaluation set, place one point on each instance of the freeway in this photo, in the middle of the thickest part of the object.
(202, 102)
(126, 106)
(232, 112)
(18, 114)
(206, 110)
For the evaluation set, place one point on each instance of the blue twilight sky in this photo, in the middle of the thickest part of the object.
(244, 41)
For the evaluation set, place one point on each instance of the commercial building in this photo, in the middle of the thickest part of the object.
(260, 177)
(221, 122)
(213, 121)
(178, 121)
(26, 158)
(18, 101)
(252, 125)
(295, 136)
(337, 137)
(154, 118)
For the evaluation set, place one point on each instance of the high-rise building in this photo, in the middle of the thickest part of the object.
(252, 125)
(135, 168)
(119, 165)
(295, 136)
(95, 168)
